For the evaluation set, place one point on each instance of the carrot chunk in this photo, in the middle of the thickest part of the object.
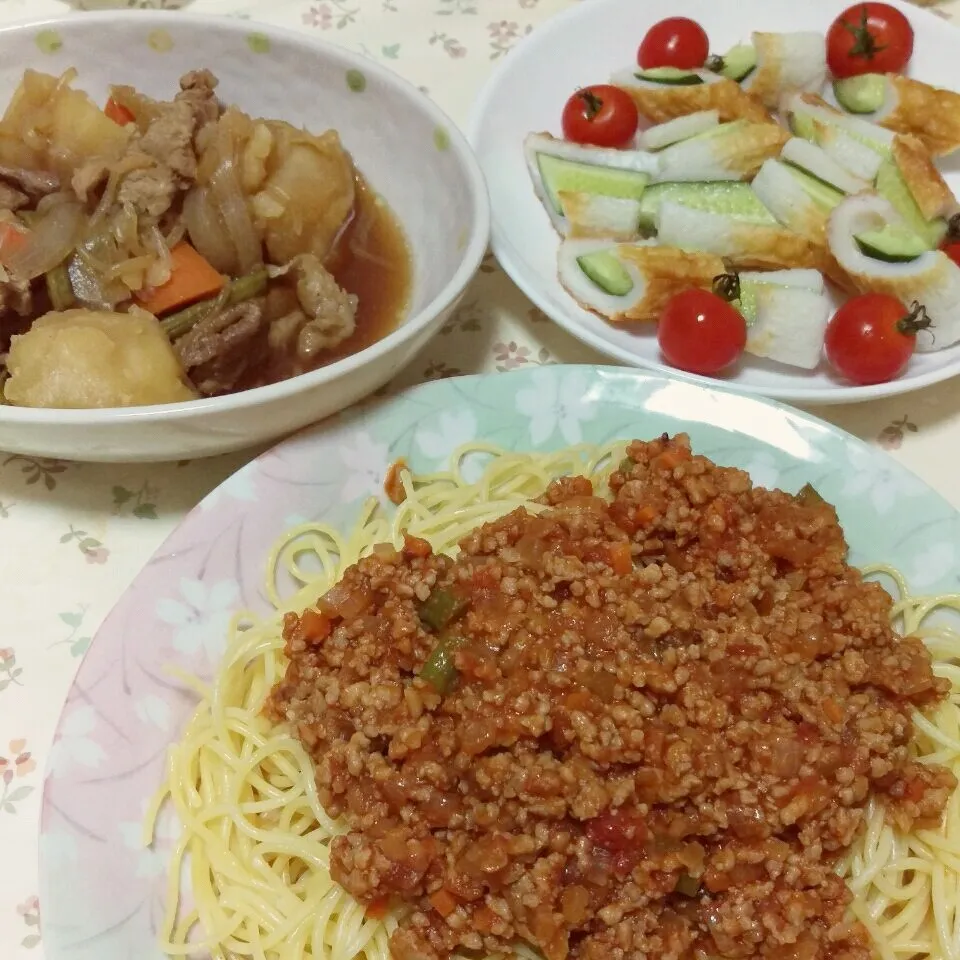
(191, 278)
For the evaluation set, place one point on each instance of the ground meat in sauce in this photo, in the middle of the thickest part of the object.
(668, 714)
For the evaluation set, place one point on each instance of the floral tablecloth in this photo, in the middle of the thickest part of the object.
(72, 536)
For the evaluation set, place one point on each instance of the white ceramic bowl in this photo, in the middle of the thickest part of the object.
(583, 45)
(408, 149)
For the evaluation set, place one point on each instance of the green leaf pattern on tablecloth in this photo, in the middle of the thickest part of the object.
(72, 536)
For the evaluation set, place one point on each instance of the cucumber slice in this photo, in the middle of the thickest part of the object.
(802, 126)
(575, 177)
(819, 191)
(721, 130)
(862, 94)
(738, 62)
(672, 76)
(730, 197)
(892, 187)
(892, 244)
(805, 126)
(607, 272)
(747, 304)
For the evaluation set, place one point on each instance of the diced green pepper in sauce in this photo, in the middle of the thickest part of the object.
(442, 607)
(439, 670)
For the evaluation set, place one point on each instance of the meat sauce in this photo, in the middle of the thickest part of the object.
(586, 732)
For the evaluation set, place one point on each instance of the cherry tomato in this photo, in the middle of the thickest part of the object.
(700, 332)
(869, 38)
(871, 338)
(602, 115)
(952, 249)
(674, 42)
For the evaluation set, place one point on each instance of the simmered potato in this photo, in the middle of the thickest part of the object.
(85, 358)
(311, 181)
(62, 123)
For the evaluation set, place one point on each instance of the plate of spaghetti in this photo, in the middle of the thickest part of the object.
(568, 663)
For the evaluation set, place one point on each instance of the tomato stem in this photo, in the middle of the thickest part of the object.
(915, 321)
(865, 44)
(592, 104)
(727, 286)
(953, 229)
(714, 63)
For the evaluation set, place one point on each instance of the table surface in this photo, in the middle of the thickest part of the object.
(74, 535)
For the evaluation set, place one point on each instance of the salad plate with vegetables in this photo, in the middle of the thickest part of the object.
(763, 193)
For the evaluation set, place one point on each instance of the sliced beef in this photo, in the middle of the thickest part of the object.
(34, 183)
(169, 140)
(197, 89)
(218, 350)
(161, 159)
(150, 190)
(11, 198)
(331, 311)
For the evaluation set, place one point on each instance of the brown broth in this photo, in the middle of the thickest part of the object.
(372, 260)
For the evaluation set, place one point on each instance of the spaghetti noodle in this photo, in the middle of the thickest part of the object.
(254, 851)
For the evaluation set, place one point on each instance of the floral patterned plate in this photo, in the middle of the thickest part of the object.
(102, 892)
(585, 45)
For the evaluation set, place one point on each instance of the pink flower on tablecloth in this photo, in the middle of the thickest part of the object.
(319, 15)
(5, 654)
(891, 437)
(29, 911)
(502, 31)
(510, 355)
(97, 555)
(450, 45)
(17, 766)
(23, 761)
(30, 905)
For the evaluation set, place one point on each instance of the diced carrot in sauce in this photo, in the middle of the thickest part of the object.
(118, 113)
(416, 546)
(191, 279)
(484, 920)
(914, 790)
(444, 902)
(832, 710)
(393, 484)
(11, 240)
(619, 558)
(670, 459)
(377, 909)
(314, 626)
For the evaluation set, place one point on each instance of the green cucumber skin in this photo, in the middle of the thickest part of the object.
(860, 94)
(739, 62)
(691, 193)
(885, 256)
(604, 270)
(673, 78)
(625, 184)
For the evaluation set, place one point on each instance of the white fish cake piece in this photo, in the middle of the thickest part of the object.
(734, 153)
(657, 274)
(932, 279)
(786, 62)
(660, 102)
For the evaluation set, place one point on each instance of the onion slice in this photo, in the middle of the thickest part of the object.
(49, 242)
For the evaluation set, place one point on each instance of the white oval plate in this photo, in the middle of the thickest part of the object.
(102, 893)
(585, 45)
